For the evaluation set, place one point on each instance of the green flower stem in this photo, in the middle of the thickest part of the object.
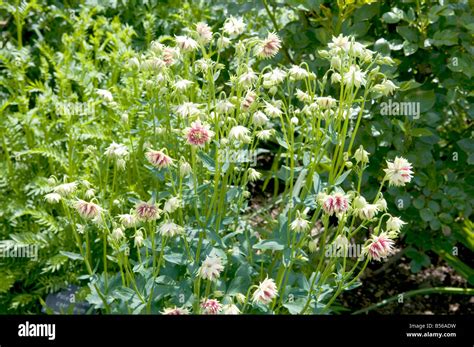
(197, 295)
(247, 297)
(321, 249)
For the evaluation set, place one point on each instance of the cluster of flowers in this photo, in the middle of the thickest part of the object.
(249, 114)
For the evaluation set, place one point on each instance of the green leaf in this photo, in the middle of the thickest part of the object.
(281, 141)
(382, 46)
(316, 183)
(408, 33)
(409, 48)
(419, 132)
(462, 62)
(299, 183)
(284, 173)
(176, 258)
(434, 206)
(295, 306)
(123, 293)
(426, 214)
(322, 35)
(407, 85)
(207, 161)
(426, 98)
(7, 280)
(419, 202)
(467, 145)
(393, 16)
(366, 12)
(342, 177)
(445, 37)
(238, 285)
(269, 245)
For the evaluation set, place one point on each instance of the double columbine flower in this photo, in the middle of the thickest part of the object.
(116, 151)
(138, 238)
(171, 229)
(363, 209)
(52, 198)
(186, 44)
(240, 133)
(204, 32)
(395, 224)
(380, 247)
(211, 306)
(119, 153)
(158, 159)
(234, 26)
(175, 311)
(211, 268)
(361, 155)
(399, 172)
(336, 203)
(172, 204)
(265, 292)
(128, 220)
(88, 210)
(355, 76)
(147, 211)
(300, 224)
(198, 134)
(65, 189)
(268, 47)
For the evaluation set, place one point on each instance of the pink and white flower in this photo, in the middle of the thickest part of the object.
(265, 292)
(198, 134)
(234, 26)
(158, 159)
(204, 32)
(335, 203)
(248, 100)
(147, 211)
(211, 306)
(211, 268)
(269, 47)
(380, 247)
(175, 311)
(169, 55)
(186, 44)
(399, 172)
(88, 210)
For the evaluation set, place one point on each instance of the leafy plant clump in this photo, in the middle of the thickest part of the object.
(155, 161)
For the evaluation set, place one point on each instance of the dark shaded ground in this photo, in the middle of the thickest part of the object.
(397, 278)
